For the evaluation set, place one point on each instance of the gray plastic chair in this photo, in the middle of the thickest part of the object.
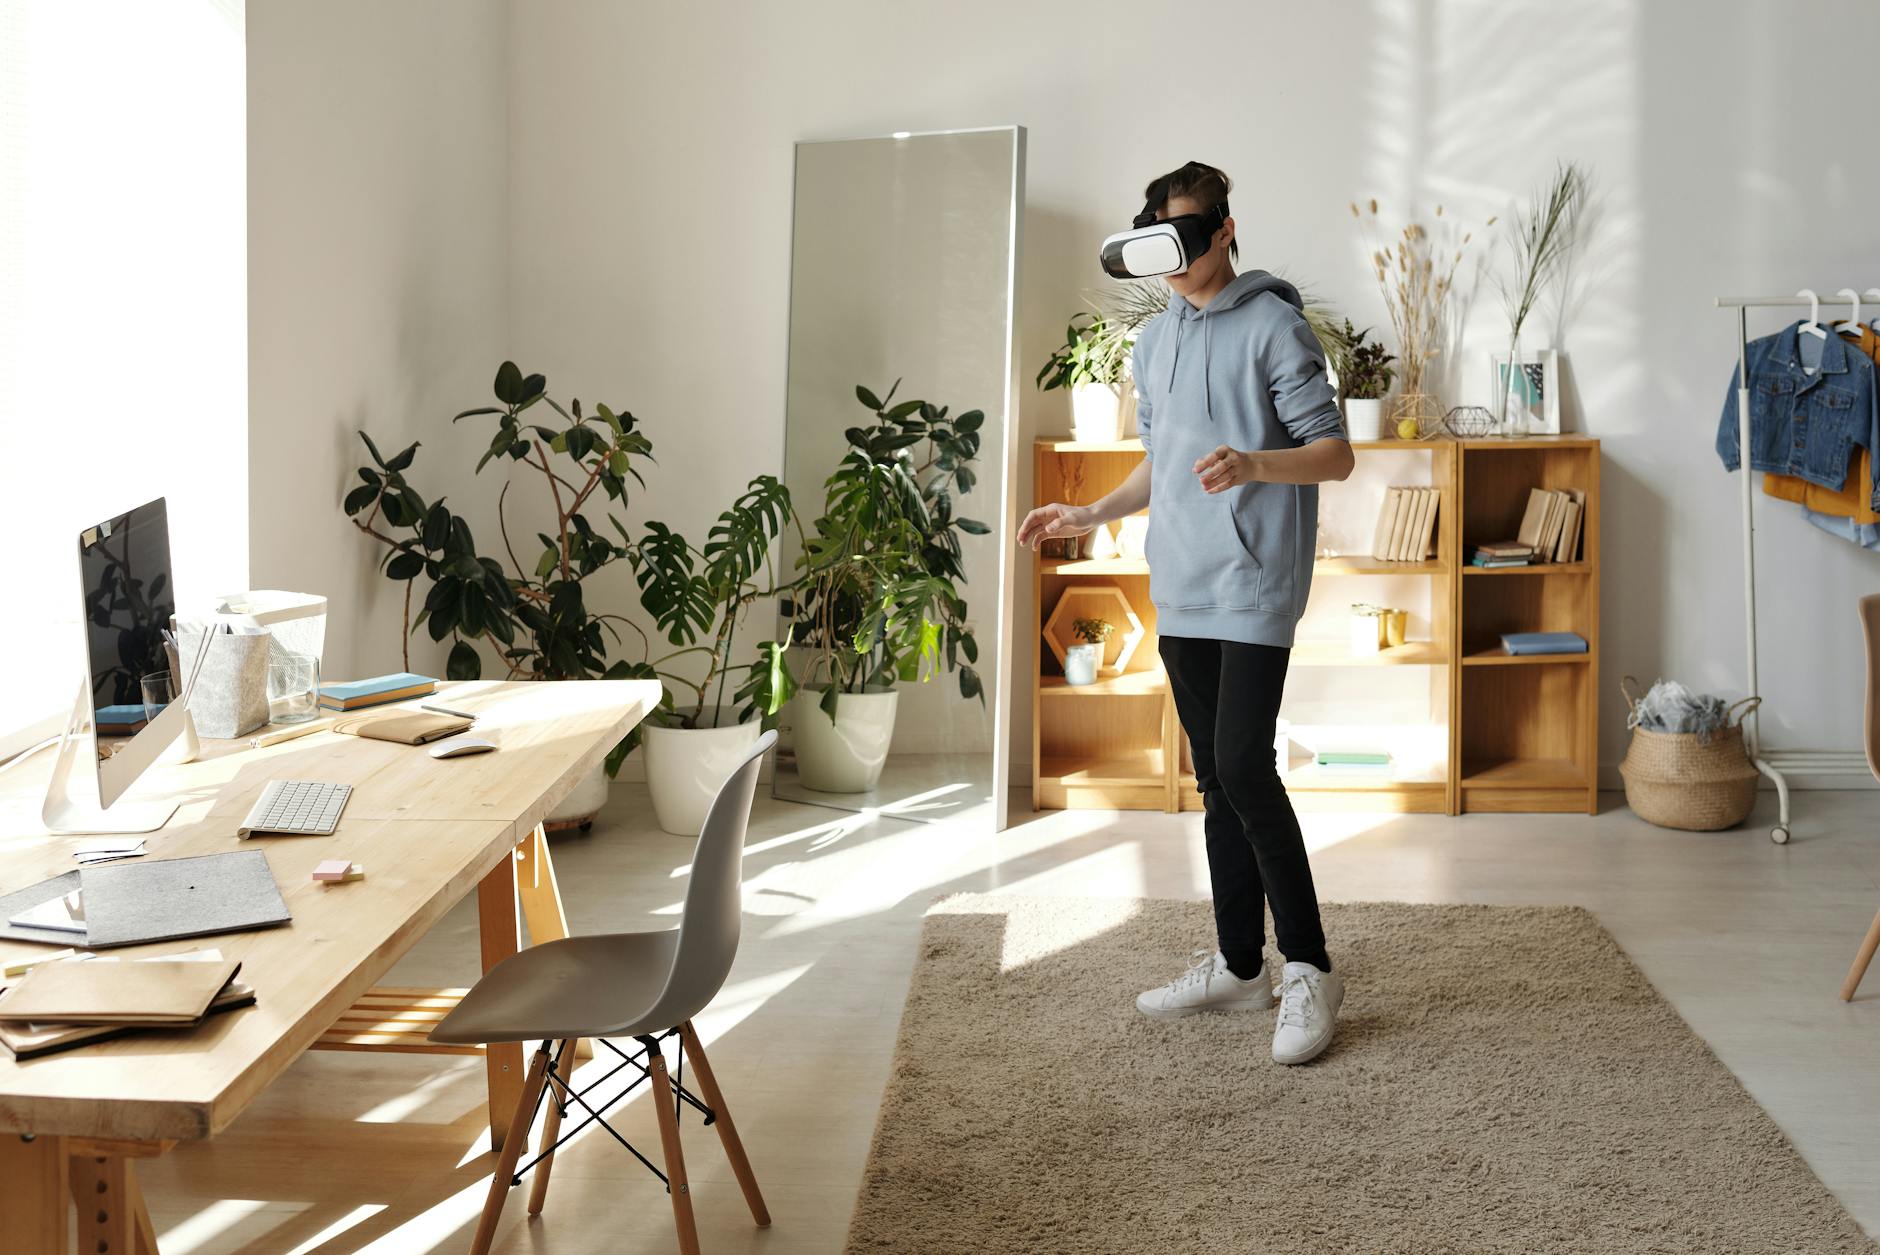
(646, 986)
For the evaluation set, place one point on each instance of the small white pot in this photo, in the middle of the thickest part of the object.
(1364, 418)
(685, 767)
(578, 809)
(845, 755)
(1081, 663)
(1096, 412)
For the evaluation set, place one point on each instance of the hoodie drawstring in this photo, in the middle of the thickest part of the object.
(1174, 358)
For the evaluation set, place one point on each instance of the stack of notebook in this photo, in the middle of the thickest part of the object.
(1406, 525)
(75, 1001)
(375, 691)
(1502, 553)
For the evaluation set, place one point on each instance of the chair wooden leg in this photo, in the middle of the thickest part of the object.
(551, 1129)
(675, 1157)
(1861, 960)
(514, 1140)
(727, 1131)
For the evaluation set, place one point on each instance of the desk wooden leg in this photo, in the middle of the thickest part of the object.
(35, 1199)
(496, 923)
(112, 1219)
(541, 904)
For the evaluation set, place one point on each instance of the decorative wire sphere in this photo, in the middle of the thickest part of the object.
(1471, 422)
(1422, 408)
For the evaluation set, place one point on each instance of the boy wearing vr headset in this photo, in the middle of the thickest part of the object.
(1240, 426)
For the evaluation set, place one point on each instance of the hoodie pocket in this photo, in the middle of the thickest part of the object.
(1202, 563)
(1267, 525)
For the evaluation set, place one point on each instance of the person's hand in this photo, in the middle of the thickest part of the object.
(1223, 469)
(1056, 519)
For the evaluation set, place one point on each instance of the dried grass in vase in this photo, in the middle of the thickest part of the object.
(1416, 274)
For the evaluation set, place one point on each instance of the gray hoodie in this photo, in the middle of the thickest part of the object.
(1245, 372)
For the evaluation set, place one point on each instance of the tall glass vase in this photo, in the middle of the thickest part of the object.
(1513, 395)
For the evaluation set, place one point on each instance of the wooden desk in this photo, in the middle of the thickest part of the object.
(427, 831)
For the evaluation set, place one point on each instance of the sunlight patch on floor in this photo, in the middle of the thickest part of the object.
(357, 1215)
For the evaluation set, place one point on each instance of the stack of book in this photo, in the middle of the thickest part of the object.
(1406, 525)
(376, 691)
(1550, 532)
(73, 1001)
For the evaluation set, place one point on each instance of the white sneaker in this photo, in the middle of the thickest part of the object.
(1308, 1009)
(1208, 986)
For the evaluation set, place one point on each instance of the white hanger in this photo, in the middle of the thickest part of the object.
(1813, 325)
(1852, 326)
(1875, 324)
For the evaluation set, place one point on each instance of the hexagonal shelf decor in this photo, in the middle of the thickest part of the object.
(1095, 601)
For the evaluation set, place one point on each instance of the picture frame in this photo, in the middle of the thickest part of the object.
(1542, 368)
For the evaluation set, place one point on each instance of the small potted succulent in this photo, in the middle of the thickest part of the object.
(1082, 659)
(1364, 376)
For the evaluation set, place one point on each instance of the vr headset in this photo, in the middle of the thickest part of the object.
(1150, 248)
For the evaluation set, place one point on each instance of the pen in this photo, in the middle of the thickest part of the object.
(445, 710)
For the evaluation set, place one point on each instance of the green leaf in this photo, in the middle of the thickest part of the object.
(464, 663)
(533, 387)
(508, 385)
(370, 476)
(371, 448)
(866, 398)
(904, 409)
(546, 565)
(972, 527)
(970, 421)
(481, 409)
(402, 460)
(679, 601)
(436, 526)
(360, 499)
(405, 566)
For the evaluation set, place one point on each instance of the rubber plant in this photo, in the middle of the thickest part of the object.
(876, 592)
(534, 616)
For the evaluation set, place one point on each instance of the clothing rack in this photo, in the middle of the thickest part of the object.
(1776, 764)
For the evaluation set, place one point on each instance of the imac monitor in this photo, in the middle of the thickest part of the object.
(129, 599)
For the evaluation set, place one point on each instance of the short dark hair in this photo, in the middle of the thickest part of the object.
(1206, 185)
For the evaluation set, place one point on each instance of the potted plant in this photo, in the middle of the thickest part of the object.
(1540, 244)
(534, 618)
(698, 595)
(1082, 659)
(1364, 376)
(1090, 363)
(876, 596)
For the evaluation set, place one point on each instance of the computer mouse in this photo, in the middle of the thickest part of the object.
(458, 746)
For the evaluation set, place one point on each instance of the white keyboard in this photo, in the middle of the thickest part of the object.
(308, 808)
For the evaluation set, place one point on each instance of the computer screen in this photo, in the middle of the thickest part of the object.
(130, 597)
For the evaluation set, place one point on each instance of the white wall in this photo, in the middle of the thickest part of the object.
(378, 244)
(650, 228)
(123, 352)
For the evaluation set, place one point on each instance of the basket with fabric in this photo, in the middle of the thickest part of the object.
(1697, 781)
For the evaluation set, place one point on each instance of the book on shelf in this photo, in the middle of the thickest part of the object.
(1551, 524)
(1520, 643)
(1505, 549)
(1406, 523)
(1352, 758)
(1498, 564)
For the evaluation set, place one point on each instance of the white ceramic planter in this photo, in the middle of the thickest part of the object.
(1080, 663)
(1096, 412)
(578, 809)
(1364, 419)
(685, 768)
(846, 755)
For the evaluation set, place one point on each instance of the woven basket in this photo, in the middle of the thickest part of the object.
(1677, 780)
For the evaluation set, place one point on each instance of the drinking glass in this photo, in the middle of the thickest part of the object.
(159, 691)
(294, 688)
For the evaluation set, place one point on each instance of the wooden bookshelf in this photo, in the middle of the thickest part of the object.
(1521, 731)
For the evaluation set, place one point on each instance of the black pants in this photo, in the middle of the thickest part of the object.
(1227, 695)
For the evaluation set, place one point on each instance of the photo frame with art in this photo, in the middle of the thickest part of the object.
(1541, 385)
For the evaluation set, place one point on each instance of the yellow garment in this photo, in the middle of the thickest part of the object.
(1853, 500)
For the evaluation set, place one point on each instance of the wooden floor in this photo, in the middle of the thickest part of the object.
(349, 1153)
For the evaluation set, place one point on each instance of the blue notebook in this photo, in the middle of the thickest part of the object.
(380, 688)
(1543, 642)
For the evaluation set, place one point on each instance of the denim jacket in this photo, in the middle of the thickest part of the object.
(1801, 424)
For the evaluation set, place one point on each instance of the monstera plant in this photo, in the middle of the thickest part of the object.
(533, 613)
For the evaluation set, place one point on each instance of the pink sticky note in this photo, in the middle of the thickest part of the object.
(333, 869)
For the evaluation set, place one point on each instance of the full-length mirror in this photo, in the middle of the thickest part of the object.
(898, 456)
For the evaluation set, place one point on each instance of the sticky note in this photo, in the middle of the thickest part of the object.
(335, 870)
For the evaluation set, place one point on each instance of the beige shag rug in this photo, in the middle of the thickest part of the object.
(1504, 1079)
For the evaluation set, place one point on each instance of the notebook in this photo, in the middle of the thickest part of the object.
(154, 994)
(404, 728)
(1543, 643)
(381, 688)
(29, 1041)
(130, 903)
